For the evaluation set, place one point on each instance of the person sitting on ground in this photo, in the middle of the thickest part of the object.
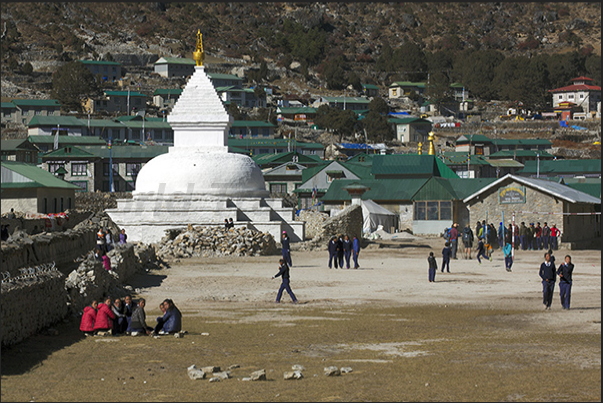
(98, 254)
(172, 318)
(120, 323)
(138, 322)
(88, 319)
(159, 326)
(129, 308)
(104, 318)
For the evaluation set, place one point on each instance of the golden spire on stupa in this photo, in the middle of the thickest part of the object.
(431, 146)
(198, 54)
(420, 148)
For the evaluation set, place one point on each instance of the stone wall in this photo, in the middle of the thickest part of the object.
(347, 222)
(34, 226)
(30, 304)
(314, 221)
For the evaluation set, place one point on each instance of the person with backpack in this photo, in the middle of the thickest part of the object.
(467, 238)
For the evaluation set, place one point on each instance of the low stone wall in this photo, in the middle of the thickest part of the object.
(215, 241)
(34, 226)
(31, 304)
(314, 221)
(348, 222)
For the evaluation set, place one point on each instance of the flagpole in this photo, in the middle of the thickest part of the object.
(110, 168)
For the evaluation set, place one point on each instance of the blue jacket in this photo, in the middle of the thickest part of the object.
(347, 246)
(285, 243)
(356, 245)
(446, 253)
(172, 320)
(283, 271)
(507, 249)
(548, 272)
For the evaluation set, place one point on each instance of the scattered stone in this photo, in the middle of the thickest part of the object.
(298, 367)
(210, 369)
(234, 366)
(346, 370)
(215, 379)
(246, 379)
(259, 375)
(222, 375)
(204, 334)
(293, 375)
(178, 335)
(332, 371)
(195, 373)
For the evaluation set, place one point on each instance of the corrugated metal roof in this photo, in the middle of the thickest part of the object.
(37, 176)
(280, 158)
(370, 86)
(410, 164)
(407, 84)
(36, 102)
(100, 62)
(461, 158)
(67, 152)
(563, 166)
(349, 100)
(379, 189)
(406, 121)
(126, 152)
(593, 189)
(18, 144)
(175, 60)
(473, 138)
(243, 143)
(124, 94)
(520, 153)
(220, 76)
(299, 110)
(37, 121)
(168, 91)
(522, 142)
(89, 140)
(251, 123)
(505, 163)
(8, 105)
(552, 188)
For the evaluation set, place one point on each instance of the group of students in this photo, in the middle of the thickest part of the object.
(535, 237)
(228, 223)
(105, 241)
(548, 274)
(129, 318)
(341, 247)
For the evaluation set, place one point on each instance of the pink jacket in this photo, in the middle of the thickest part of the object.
(88, 319)
(103, 317)
(107, 262)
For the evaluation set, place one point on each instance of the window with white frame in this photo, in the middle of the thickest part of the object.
(78, 168)
(54, 166)
(132, 169)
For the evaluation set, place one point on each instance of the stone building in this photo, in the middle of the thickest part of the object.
(537, 200)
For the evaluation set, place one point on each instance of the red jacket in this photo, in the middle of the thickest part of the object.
(88, 319)
(103, 317)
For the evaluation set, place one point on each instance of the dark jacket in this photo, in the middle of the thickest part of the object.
(565, 273)
(332, 246)
(467, 234)
(446, 253)
(285, 243)
(547, 272)
(172, 320)
(347, 246)
(283, 271)
(128, 310)
(432, 262)
(339, 247)
(139, 319)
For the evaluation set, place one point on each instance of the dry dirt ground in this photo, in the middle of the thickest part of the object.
(478, 333)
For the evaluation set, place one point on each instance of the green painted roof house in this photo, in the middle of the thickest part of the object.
(30, 176)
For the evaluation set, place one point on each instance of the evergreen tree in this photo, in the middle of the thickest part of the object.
(72, 84)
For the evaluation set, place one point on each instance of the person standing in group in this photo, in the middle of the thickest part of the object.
(516, 236)
(123, 238)
(355, 251)
(109, 239)
(467, 239)
(548, 276)
(481, 250)
(538, 236)
(508, 252)
(340, 251)
(509, 235)
(546, 237)
(226, 226)
(88, 319)
(555, 237)
(454, 236)
(433, 267)
(333, 251)
(531, 237)
(501, 235)
(565, 281)
(446, 253)
(523, 235)
(286, 247)
(478, 226)
(283, 272)
(347, 250)
(107, 262)
(101, 241)
(493, 236)
(230, 223)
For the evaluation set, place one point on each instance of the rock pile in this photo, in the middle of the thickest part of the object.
(208, 241)
(314, 221)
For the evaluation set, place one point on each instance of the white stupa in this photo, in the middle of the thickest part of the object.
(198, 181)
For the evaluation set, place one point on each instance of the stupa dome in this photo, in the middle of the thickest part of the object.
(200, 173)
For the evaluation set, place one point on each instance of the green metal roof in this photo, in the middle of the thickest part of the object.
(220, 76)
(175, 60)
(244, 143)
(505, 163)
(407, 84)
(36, 102)
(8, 105)
(349, 100)
(462, 159)
(360, 169)
(406, 121)
(521, 142)
(80, 140)
(473, 138)
(380, 190)
(251, 123)
(562, 166)
(139, 124)
(67, 152)
(38, 120)
(14, 145)
(117, 152)
(370, 86)
(38, 176)
(437, 188)
(100, 62)
(409, 165)
(168, 91)
(107, 123)
(124, 94)
(520, 153)
(593, 189)
(281, 158)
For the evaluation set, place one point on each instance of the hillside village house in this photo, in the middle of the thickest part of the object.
(29, 189)
(582, 94)
(88, 166)
(243, 129)
(303, 114)
(251, 146)
(284, 179)
(23, 110)
(20, 150)
(478, 144)
(108, 71)
(356, 104)
(562, 168)
(174, 67)
(411, 129)
(245, 97)
(370, 90)
(165, 98)
(46, 143)
(225, 80)
(268, 161)
(529, 198)
(117, 102)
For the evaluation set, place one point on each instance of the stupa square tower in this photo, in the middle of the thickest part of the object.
(198, 181)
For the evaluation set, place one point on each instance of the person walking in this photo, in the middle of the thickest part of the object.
(446, 253)
(548, 276)
(286, 249)
(332, 251)
(508, 252)
(467, 239)
(355, 251)
(454, 235)
(433, 267)
(347, 251)
(565, 281)
(283, 272)
(481, 250)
